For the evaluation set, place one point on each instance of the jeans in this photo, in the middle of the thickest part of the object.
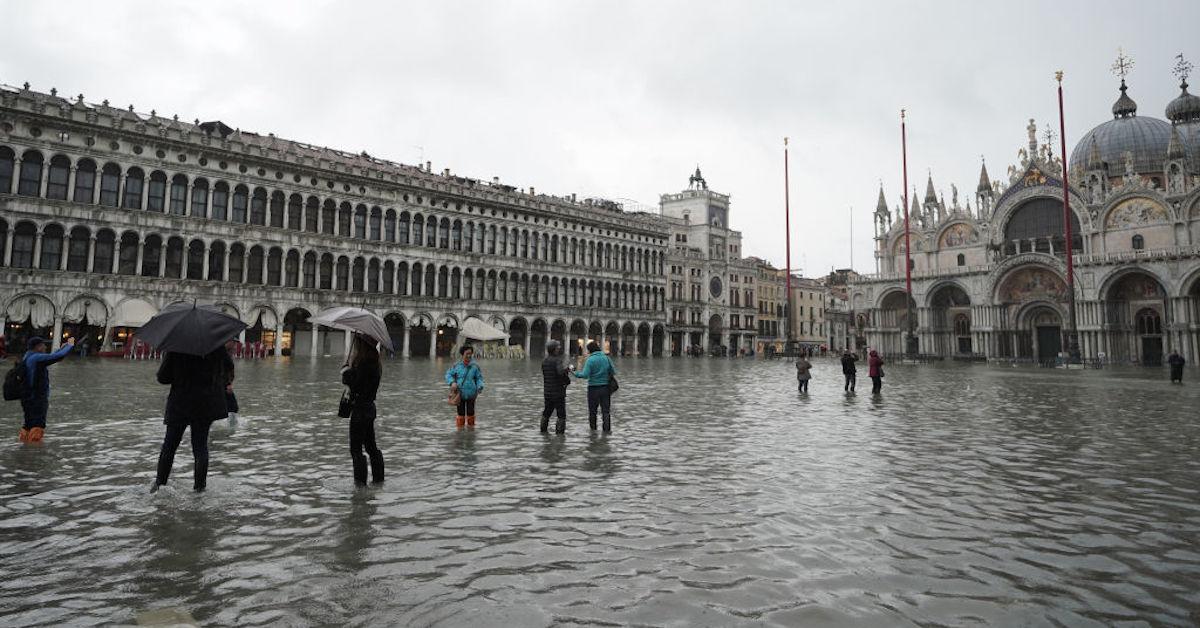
(35, 411)
(876, 383)
(466, 407)
(362, 437)
(599, 397)
(851, 380)
(166, 458)
(803, 385)
(555, 405)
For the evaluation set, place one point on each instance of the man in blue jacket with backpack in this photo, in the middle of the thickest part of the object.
(36, 401)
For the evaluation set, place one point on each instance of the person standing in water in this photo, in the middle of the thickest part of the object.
(597, 370)
(803, 372)
(361, 375)
(556, 376)
(875, 371)
(197, 398)
(35, 405)
(466, 379)
(849, 369)
(1176, 362)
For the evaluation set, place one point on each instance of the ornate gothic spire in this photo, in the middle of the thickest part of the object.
(930, 195)
(985, 183)
(881, 206)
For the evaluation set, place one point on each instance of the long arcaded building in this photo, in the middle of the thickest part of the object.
(108, 215)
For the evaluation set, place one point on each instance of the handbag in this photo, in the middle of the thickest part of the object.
(613, 386)
(346, 404)
(455, 398)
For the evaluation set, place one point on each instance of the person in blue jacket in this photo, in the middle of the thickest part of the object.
(36, 402)
(466, 379)
(596, 370)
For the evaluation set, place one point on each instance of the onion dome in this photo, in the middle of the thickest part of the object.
(1144, 137)
(1185, 107)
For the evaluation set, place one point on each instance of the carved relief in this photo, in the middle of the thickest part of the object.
(1030, 284)
(1137, 287)
(1135, 212)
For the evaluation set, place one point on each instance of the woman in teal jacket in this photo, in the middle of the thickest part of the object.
(466, 378)
(596, 370)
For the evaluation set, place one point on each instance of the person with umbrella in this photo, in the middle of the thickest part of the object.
(361, 375)
(196, 366)
(465, 380)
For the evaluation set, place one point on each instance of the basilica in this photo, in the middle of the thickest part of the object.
(989, 280)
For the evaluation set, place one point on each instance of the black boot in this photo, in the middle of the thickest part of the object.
(377, 468)
(545, 426)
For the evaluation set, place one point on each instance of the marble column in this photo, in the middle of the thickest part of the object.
(406, 350)
(56, 338)
(312, 341)
(91, 254)
(279, 338)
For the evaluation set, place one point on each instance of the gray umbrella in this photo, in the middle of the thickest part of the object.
(190, 328)
(356, 319)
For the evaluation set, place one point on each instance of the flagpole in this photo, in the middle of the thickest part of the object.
(787, 237)
(910, 340)
(1073, 330)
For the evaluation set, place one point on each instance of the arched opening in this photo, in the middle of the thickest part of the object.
(151, 249)
(595, 334)
(178, 196)
(110, 185)
(195, 260)
(518, 329)
(643, 340)
(658, 341)
(297, 332)
(58, 178)
(85, 181)
(395, 326)
(134, 179)
(8, 160)
(216, 261)
(420, 336)
(52, 247)
(447, 336)
(27, 315)
(947, 305)
(84, 319)
(200, 198)
(77, 249)
(538, 335)
(30, 181)
(156, 192)
(612, 338)
(174, 258)
(578, 337)
(1134, 312)
(1037, 225)
(291, 269)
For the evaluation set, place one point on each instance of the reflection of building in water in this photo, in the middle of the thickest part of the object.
(990, 279)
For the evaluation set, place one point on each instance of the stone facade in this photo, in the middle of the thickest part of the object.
(710, 298)
(107, 215)
(990, 282)
(772, 302)
(809, 300)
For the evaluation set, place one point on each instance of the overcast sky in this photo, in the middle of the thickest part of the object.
(623, 99)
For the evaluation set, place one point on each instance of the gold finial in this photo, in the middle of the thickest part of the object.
(1123, 64)
(1182, 69)
(901, 113)
(785, 140)
(1058, 76)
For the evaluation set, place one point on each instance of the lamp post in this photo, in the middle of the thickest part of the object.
(787, 238)
(1073, 329)
(911, 345)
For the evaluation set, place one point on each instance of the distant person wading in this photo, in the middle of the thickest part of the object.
(850, 370)
(1176, 362)
(556, 376)
(875, 371)
(803, 373)
(598, 370)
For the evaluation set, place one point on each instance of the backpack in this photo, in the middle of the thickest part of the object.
(16, 384)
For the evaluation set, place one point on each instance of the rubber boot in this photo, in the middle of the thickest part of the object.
(23, 435)
(36, 434)
(471, 422)
(545, 425)
(459, 421)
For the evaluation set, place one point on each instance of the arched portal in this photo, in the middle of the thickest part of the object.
(643, 340)
(628, 339)
(395, 327)
(420, 336)
(1135, 314)
(558, 331)
(1031, 296)
(714, 334)
(578, 338)
(518, 329)
(447, 336)
(538, 334)
(297, 332)
(658, 341)
(949, 307)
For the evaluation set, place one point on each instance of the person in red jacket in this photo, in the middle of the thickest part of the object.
(875, 372)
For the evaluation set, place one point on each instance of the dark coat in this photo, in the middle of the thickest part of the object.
(197, 386)
(555, 377)
(363, 381)
(848, 366)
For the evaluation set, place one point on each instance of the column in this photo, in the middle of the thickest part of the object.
(96, 185)
(140, 253)
(45, 178)
(406, 350)
(433, 342)
(312, 341)
(8, 252)
(16, 178)
(116, 258)
(56, 339)
(528, 338)
(37, 249)
(91, 260)
(162, 258)
(65, 251)
(70, 183)
(228, 254)
(279, 338)
(204, 264)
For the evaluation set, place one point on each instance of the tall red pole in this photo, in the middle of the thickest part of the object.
(1073, 330)
(787, 236)
(909, 339)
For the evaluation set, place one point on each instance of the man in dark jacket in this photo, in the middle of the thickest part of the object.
(849, 369)
(36, 403)
(556, 376)
(1176, 363)
(197, 398)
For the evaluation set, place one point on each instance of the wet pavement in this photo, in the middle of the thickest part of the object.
(963, 495)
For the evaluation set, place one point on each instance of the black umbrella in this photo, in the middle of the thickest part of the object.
(190, 328)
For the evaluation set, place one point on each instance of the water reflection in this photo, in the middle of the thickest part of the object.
(962, 494)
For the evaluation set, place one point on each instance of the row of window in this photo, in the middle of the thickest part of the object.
(173, 258)
(111, 187)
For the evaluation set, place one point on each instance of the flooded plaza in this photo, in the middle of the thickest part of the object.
(965, 494)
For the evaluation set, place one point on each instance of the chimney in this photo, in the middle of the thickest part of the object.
(445, 172)
(531, 192)
(496, 180)
(429, 166)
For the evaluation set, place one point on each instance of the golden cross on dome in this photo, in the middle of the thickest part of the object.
(1182, 69)
(1050, 136)
(1123, 64)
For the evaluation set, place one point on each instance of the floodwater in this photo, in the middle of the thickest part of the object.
(964, 495)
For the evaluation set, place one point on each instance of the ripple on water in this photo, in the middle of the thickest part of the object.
(963, 495)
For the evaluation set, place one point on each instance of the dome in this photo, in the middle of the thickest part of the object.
(1146, 138)
(1185, 107)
